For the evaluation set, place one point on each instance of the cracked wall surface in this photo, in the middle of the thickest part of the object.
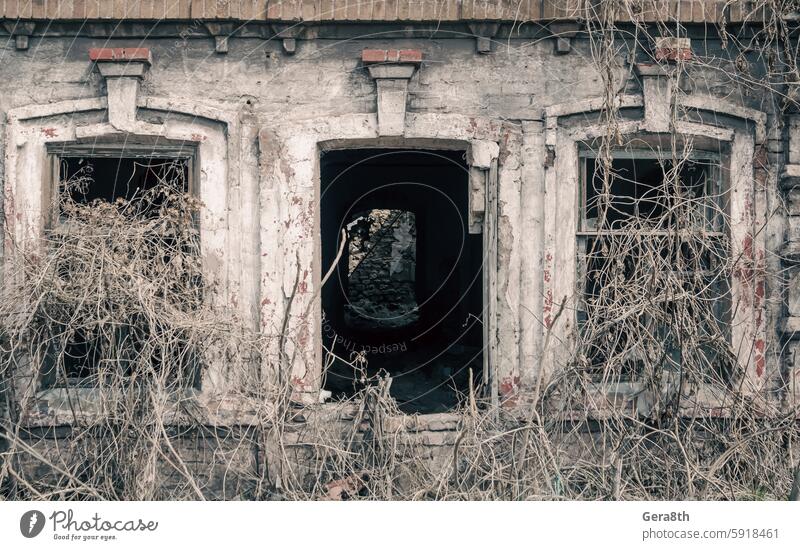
(261, 111)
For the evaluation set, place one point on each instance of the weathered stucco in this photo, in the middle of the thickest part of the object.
(260, 116)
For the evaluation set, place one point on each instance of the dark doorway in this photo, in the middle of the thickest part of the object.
(406, 296)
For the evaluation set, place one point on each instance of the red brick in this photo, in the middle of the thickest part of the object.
(672, 48)
(391, 56)
(410, 56)
(673, 54)
(120, 54)
(373, 56)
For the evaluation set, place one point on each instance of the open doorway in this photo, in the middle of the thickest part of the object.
(406, 296)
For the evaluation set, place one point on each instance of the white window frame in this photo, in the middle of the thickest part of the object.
(560, 287)
(28, 184)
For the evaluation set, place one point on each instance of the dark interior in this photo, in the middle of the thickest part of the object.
(111, 178)
(638, 190)
(382, 268)
(437, 339)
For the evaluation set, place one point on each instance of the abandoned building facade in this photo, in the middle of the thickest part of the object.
(438, 165)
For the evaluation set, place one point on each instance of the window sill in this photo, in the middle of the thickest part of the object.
(705, 400)
(84, 406)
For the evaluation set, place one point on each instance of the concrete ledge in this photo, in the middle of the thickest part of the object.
(790, 177)
(791, 328)
(791, 255)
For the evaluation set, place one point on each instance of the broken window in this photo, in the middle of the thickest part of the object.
(143, 182)
(405, 299)
(125, 247)
(654, 260)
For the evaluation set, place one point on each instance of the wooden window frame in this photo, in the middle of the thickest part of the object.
(139, 149)
(585, 232)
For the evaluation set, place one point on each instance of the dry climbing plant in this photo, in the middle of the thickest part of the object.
(125, 280)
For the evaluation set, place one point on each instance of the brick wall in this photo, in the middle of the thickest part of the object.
(377, 10)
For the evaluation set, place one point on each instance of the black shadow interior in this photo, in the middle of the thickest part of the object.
(410, 304)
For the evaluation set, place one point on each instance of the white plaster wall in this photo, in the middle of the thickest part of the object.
(260, 122)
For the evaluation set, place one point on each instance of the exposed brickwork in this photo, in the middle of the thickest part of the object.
(391, 56)
(673, 49)
(378, 10)
(120, 54)
(672, 54)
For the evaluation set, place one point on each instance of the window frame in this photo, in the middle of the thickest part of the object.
(645, 154)
(141, 148)
(645, 149)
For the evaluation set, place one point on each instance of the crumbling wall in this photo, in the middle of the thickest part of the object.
(261, 110)
(382, 270)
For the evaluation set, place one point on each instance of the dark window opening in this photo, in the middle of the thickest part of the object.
(85, 179)
(649, 190)
(406, 296)
(98, 355)
(654, 248)
(684, 284)
(88, 350)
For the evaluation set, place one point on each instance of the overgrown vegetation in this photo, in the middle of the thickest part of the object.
(116, 304)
